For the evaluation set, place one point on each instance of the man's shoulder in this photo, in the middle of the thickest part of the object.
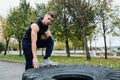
(39, 21)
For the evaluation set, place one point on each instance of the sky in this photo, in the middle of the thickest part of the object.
(6, 5)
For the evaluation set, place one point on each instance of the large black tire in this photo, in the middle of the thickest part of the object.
(71, 72)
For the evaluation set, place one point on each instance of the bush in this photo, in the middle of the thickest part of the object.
(2, 47)
(59, 46)
(14, 47)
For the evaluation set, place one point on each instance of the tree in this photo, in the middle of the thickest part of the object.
(107, 19)
(20, 18)
(66, 29)
(68, 20)
(16, 23)
(60, 27)
(84, 16)
(6, 33)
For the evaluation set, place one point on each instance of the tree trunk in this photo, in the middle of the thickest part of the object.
(105, 47)
(90, 44)
(83, 47)
(20, 48)
(103, 23)
(85, 44)
(7, 42)
(67, 48)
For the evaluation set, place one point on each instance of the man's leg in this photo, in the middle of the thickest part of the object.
(28, 55)
(48, 43)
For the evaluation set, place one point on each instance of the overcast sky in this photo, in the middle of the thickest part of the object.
(5, 6)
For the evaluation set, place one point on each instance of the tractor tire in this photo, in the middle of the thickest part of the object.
(71, 72)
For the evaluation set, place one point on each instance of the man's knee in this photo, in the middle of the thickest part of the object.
(51, 41)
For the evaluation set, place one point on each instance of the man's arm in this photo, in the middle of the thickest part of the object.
(48, 33)
(34, 30)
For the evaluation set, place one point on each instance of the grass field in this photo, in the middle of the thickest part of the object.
(63, 60)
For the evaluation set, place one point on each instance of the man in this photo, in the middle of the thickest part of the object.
(32, 40)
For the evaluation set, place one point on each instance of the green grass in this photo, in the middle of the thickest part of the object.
(110, 62)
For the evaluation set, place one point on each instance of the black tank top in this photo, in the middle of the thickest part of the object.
(42, 30)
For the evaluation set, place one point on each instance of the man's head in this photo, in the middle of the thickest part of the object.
(48, 18)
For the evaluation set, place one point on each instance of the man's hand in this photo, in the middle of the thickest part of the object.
(35, 63)
(48, 33)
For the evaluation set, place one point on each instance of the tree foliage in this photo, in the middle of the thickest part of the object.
(71, 15)
(19, 19)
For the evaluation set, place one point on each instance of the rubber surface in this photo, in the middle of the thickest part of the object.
(71, 72)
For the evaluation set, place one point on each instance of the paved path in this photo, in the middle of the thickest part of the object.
(11, 70)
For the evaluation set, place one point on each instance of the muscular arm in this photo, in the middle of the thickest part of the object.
(34, 30)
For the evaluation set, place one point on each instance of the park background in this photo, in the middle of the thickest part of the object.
(68, 36)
